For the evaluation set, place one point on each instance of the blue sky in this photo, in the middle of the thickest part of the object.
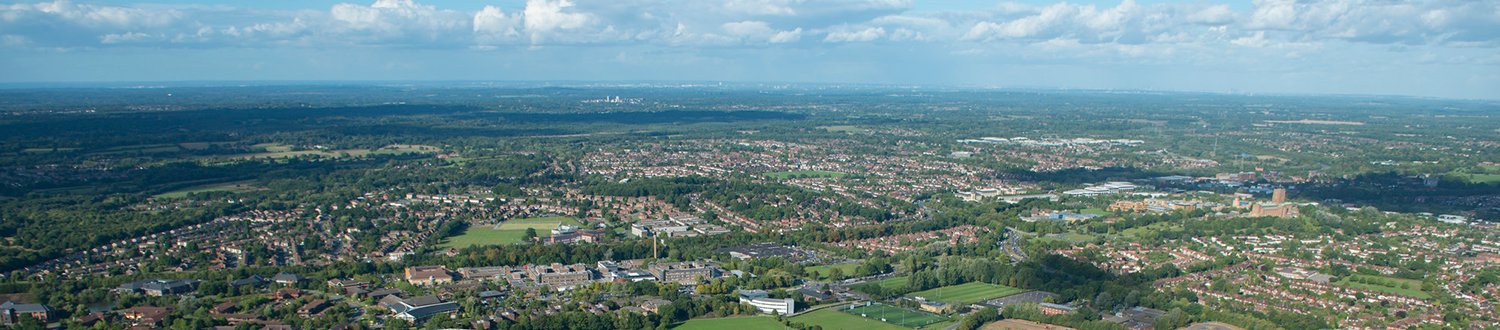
(1440, 48)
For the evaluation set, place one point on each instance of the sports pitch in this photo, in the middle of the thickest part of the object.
(967, 293)
(894, 315)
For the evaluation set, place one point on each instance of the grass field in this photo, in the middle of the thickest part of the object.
(805, 174)
(508, 232)
(967, 293)
(1390, 285)
(892, 283)
(831, 318)
(276, 151)
(746, 322)
(1142, 231)
(1074, 238)
(894, 315)
(240, 186)
(45, 150)
(822, 270)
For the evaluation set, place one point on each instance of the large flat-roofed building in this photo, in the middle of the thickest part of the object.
(428, 275)
(763, 301)
(159, 287)
(12, 312)
(765, 250)
(683, 272)
(559, 275)
(418, 308)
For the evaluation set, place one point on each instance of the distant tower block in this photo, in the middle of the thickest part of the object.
(1278, 196)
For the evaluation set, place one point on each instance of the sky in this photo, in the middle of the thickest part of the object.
(1429, 48)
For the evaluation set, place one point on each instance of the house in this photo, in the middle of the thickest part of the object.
(313, 308)
(253, 280)
(142, 315)
(94, 318)
(652, 305)
(224, 308)
(288, 279)
(12, 312)
(428, 275)
(345, 284)
(159, 287)
(286, 293)
(418, 308)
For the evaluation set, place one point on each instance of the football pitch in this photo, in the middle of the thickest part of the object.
(967, 293)
(894, 315)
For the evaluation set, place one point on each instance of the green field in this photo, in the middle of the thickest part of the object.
(508, 232)
(241, 186)
(746, 322)
(1390, 285)
(805, 174)
(894, 315)
(967, 293)
(1152, 229)
(822, 270)
(1074, 238)
(831, 318)
(892, 283)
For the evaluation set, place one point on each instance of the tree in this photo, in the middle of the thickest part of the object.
(530, 234)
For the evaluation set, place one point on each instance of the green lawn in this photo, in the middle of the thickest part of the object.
(967, 293)
(805, 174)
(1390, 285)
(241, 186)
(832, 318)
(892, 283)
(509, 232)
(745, 322)
(1142, 231)
(894, 315)
(821, 272)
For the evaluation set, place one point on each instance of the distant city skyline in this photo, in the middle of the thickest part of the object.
(1432, 48)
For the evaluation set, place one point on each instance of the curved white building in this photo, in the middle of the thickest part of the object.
(762, 301)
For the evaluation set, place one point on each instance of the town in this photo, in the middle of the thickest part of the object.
(784, 216)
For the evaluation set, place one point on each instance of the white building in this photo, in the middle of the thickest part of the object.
(762, 301)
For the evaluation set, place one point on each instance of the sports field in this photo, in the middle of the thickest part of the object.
(746, 322)
(508, 232)
(894, 315)
(967, 293)
(831, 318)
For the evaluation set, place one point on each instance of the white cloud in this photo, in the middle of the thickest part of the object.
(862, 35)
(545, 16)
(692, 23)
(492, 24)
